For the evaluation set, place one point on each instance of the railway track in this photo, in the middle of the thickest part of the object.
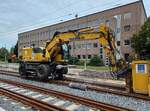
(99, 88)
(40, 98)
(9, 73)
(39, 105)
(68, 80)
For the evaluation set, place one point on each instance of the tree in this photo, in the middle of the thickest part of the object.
(140, 42)
(3, 53)
(16, 49)
(12, 50)
(96, 61)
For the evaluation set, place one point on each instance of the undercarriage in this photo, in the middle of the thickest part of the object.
(42, 70)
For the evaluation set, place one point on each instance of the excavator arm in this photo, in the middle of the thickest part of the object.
(51, 62)
(104, 36)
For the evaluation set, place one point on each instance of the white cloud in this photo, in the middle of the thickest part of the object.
(22, 15)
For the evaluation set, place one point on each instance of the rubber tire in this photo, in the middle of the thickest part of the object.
(22, 72)
(42, 72)
(59, 76)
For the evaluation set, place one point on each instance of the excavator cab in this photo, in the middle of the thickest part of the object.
(65, 50)
(60, 51)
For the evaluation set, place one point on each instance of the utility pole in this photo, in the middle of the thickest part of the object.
(5, 55)
(74, 48)
(85, 63)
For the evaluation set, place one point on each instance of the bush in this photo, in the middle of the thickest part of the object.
(81, 62)
(73, 60)
(96, 61)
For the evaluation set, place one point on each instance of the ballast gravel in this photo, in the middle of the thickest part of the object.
(10, 105)
(122, 101)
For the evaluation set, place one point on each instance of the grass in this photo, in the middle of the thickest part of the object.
(2, 62)
(95, 68)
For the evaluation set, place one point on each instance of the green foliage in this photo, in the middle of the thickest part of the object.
(16, 49)
(140, 42)
(3, 53)
(95, 61)
(80, 62)
(73, 60)
(12, 50)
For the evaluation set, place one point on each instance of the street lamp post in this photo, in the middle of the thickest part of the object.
(85, 63)
(5, 54)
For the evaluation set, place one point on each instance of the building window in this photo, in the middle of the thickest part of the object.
(84, 56)
(101, 46)
(89, 56)
(107, 22)
(89, 46)
(126, 56)
(126, 42)
(78, 46)
(79, 57)
(74, 47)
(127, 16)
(101, 50)
(118, 30)
(40, 33)
(69, 46)
(118, 43)
(101, 56)
(95, 45)
(127, 28)
(83, 46)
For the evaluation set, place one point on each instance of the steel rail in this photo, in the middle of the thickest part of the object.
(101, 89)
(81, 100)
(66, 81)
(37, 104)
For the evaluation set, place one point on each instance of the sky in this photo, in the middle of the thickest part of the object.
(18, 16)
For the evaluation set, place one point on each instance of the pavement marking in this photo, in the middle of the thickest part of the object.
(47, 99)
(22, 90)
(73, 107)
(1, 109)
(29, 93)
(59, 103)
(36, 96)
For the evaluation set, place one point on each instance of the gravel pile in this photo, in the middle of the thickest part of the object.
(127, 102)
(95, 74)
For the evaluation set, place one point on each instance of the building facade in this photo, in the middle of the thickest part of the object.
(124, 20)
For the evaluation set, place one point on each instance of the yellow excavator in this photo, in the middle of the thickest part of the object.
(51, 61)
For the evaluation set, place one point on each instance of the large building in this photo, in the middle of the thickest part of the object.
(124, 20)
